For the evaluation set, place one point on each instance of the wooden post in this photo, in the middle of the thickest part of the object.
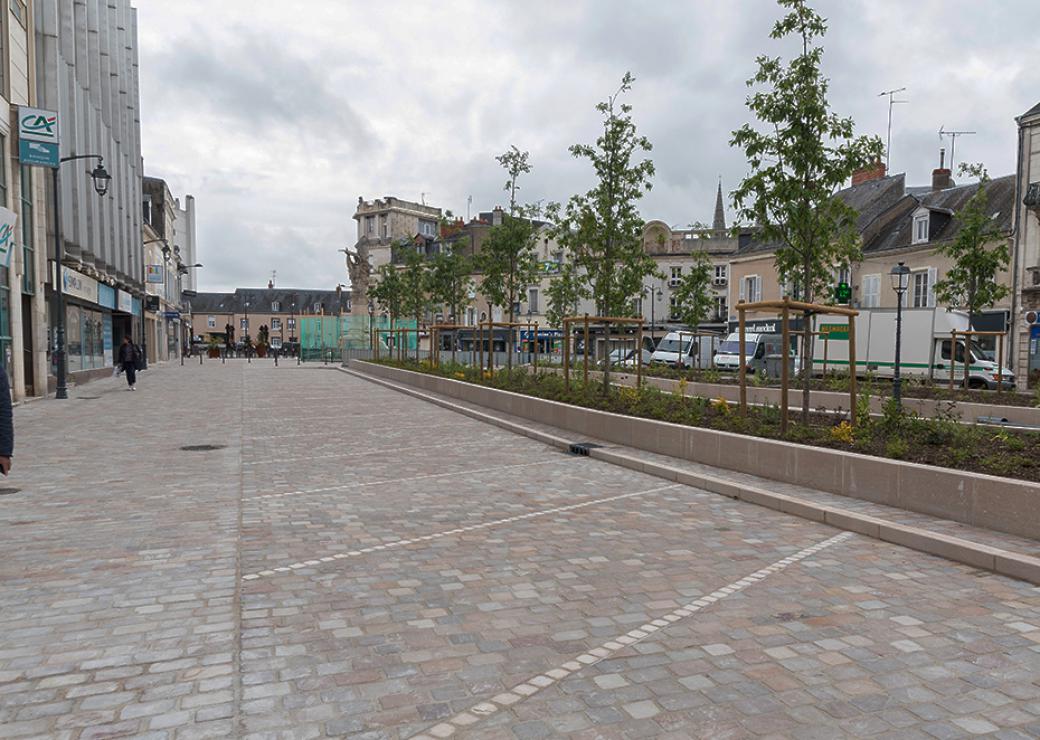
(480, 345)
(953, 355)
(852, 369)
(826, 346)
(1000, 364)
(743, 364)
(639, 356)
(967, 356)
(536, 348)
(785, 379)
(567, 353)
(586, 353)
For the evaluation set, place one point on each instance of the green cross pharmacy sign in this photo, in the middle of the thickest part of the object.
(38, 137)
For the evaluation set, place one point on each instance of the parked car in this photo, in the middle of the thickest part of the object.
(627, 357)
(685, 350)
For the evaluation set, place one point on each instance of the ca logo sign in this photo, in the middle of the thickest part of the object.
(38, 124)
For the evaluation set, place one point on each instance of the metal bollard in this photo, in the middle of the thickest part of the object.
(276, 359)
(200, 358)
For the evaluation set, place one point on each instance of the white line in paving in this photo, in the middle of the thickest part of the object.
(345, 486)
(530, 687)
(458, 530)
(353, 432)
(282, 459)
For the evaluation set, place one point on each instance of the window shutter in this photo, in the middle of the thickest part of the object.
(743, 289)
(931, 287)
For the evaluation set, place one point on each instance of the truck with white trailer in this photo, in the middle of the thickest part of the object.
(927, 339)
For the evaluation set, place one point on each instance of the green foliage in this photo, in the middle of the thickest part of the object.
(388, 292)
(799, 158)
(449, 281)
(415, 301)
(602, 228)
(979, 252)
(694, 298)
(507, 257)
(565, 291)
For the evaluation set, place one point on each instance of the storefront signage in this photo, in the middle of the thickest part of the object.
(38, 137)
(172, 315)
(124, 302)
(766, 326)
(154, 274)
(78, 285)
(835, 331)
(8, 219)
(106, 295)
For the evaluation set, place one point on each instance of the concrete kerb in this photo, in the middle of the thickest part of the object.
(1003, 562)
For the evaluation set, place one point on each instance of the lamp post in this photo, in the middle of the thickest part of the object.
(371, 328)
(101, 180)
(900, 283)
(649, 290)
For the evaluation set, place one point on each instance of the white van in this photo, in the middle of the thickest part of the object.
(682, 349)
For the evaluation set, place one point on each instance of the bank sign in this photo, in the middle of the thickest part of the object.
(38, 137)
(8, 219)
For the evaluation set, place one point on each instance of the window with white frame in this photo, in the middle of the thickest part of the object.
(676, 276)
(721, 273)
(276, 324)
(721, 308)
(922, 284)
(275, 306)
(673, 307)
(291, 323)
(843, 275)
(871, 289)
(751, 288)
(317, 307)
(211, 322)
(370, 225)
(920, 228)
(428, 228)
(244, 324)
(532, 300)
(384, 226)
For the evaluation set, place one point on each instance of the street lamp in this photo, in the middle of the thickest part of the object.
(649, 290)
(900, 283)
(101, 180)
(371, 327)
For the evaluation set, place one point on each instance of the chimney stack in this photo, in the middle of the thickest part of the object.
(496, 216)
(874, 172)
(941, 177)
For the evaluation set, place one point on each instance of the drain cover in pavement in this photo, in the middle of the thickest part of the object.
(9, 491)
(202, 448)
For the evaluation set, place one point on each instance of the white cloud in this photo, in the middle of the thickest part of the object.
(277, 115)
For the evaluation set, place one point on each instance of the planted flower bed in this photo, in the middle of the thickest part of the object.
(941, 441)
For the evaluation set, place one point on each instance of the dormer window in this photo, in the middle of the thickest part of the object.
(921, 228)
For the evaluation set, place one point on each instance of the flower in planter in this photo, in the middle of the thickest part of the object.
(843, 432)
(721, 406)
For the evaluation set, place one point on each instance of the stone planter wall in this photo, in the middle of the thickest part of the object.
(985, 501)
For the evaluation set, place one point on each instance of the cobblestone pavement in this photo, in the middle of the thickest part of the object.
(354, 562)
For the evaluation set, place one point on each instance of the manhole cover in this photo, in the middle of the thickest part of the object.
(202, 448)
(9, 491)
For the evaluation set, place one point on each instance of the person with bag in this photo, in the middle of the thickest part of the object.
(6, 424)
(128, 359)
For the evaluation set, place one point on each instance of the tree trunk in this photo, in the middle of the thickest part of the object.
(807, 343)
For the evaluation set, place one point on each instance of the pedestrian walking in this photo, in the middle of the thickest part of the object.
(6, 425)
(128, 358)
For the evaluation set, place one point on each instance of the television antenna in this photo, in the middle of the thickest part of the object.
(953, 141)
(891, 102)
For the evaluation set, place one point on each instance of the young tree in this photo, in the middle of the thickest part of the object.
(693, 297)
(602, 228)
(414, 286)
(565, 290)
(449, 280)
(387, 292)
(979, 252)
(799, 160)
(507, 257)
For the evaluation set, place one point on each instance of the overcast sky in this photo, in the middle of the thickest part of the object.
(277, 115)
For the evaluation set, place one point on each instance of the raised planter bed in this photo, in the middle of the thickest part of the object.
(986, 501)
(967, 411)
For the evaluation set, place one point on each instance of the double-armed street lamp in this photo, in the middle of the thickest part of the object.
(101, 179)
(900, 283)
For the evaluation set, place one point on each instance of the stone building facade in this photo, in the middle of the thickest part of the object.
(1026, 335)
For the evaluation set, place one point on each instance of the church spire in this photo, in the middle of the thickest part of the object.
(719, 224)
